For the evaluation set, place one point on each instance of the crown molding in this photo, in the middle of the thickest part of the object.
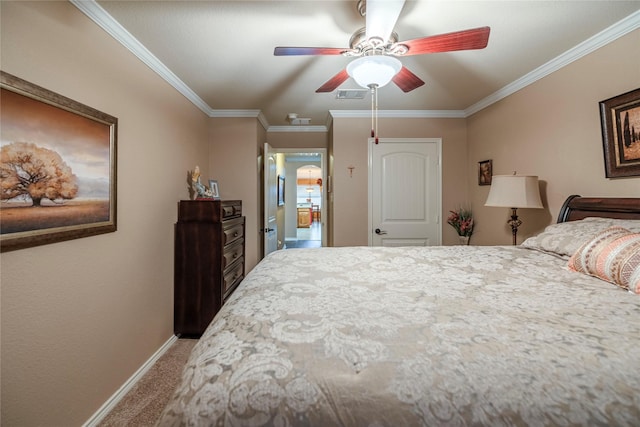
(294, 128)
(606, 36)
(242, 113)
(235, 113)
(97, 14)
(329, 120)
(263, 121)
(405, 114)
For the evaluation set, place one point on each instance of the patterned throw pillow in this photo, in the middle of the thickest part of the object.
(612, 255)
(565, 238)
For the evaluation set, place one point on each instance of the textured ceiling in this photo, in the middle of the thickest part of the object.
(223, 50)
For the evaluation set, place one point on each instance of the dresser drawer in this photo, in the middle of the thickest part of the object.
(209, 210)
(232, 231)
(231, 209)
(232, 253)
(232, 277)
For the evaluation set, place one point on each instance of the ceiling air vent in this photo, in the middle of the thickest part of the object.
(295, 120)
(351, 93)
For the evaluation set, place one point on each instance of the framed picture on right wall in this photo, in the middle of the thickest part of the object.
(485, 172)
(620, 121)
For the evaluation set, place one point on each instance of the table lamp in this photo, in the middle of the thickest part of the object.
(514, 191)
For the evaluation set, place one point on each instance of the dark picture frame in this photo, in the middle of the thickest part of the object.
(76, 142)
(280, 190)
(215, 189)
(620, 122)
(485, 172)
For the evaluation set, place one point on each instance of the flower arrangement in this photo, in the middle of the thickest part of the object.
(462, 221)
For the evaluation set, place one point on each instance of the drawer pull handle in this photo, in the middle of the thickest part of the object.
(235, 256)
(235, 234)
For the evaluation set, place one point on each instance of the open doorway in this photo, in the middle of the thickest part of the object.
(308, 227)
(304, 210)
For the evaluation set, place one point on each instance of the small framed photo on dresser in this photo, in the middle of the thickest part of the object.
(215, 191)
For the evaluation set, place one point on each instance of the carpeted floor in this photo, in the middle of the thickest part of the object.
(146, 400)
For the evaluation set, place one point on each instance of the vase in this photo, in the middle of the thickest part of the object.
(464, 240)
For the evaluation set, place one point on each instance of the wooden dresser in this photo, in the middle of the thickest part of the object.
(209, 261)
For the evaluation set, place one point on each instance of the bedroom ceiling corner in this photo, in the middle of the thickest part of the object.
(223, 51)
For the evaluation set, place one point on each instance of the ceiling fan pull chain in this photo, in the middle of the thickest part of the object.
(373, 132)
(375, 92)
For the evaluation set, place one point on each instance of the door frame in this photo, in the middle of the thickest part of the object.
(269, 189)
(370, 144)
(325, 187)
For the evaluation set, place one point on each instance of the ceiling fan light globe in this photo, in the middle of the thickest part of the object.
(374, 70)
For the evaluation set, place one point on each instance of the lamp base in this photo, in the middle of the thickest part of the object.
(514, 222)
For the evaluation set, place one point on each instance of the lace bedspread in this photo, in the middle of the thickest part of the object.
(451, 335)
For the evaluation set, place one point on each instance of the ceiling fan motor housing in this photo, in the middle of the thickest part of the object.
(361, 46)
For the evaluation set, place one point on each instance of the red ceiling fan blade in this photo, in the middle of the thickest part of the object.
(406, 80)
(334, 82)
(291, 51)
(476, 38)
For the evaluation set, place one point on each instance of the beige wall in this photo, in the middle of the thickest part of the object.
(552, 129)
(236, 162)
(80, 317)
(298, 139)
(349, 201)
(235, 150)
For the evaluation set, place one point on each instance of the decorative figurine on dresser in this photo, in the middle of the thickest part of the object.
(209, 261)
(202, 191)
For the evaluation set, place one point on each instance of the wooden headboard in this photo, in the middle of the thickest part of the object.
(576, 207)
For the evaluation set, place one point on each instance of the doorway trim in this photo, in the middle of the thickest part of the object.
(324, 198)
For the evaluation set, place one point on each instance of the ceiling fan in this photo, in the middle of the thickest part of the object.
(377, 42)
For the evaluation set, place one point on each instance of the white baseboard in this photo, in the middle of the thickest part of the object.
(122, 391)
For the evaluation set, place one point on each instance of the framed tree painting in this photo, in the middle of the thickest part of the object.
(620, 121)
(57, 165)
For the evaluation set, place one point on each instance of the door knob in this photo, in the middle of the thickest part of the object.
(378, 231)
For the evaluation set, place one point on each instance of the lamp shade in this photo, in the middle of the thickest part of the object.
(373, 70)
(514, 191)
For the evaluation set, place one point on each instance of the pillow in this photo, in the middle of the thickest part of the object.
(565, 238)
(612, 255)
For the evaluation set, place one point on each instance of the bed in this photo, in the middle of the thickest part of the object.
(447, 335)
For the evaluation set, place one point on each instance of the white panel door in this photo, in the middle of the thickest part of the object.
(270, 223)
(404, 192)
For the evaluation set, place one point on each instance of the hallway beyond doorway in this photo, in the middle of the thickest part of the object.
(306, 237)
(304, 171)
